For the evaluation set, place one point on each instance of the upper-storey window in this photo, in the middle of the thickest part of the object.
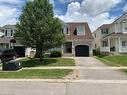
(11, 32)
(104, 31)
(80, 30)
(124, 25)
(66, 31)
(6, 32)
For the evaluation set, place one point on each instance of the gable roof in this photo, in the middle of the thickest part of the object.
(125, 14)
(103, 27)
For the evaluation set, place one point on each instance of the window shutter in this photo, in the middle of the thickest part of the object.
(75, 32)
(67, 31)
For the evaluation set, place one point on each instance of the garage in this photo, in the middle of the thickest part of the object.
(20, 50)
(82, 51)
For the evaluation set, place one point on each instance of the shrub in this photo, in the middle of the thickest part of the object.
(56, 53)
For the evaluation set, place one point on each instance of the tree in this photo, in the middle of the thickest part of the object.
(38, 28)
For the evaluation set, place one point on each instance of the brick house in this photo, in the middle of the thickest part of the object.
(78, 39)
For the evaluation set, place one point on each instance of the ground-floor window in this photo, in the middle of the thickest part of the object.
(124, 43)
(4, 45)
(104, 43)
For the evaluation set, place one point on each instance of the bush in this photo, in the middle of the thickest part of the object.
(56, 53)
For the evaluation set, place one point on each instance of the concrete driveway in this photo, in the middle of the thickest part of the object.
(97, 74)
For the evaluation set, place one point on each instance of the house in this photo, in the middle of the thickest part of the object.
(7, 35)
(101, 32)
(112, 38)
(78, 39)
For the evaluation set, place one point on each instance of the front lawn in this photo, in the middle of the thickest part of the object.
(36, 74)
(113, 60)
(48, 62)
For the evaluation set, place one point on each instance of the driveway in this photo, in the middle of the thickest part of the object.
(97, 74)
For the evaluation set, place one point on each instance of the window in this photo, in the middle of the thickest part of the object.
(104, 43)
(6, 32)
(11, 32)
(95, 35)
(66, 31)
(125, 28)
(80, 30)
(104, 31)
(124, 43)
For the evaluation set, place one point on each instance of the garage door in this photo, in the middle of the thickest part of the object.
(20, 50)
(82, 51)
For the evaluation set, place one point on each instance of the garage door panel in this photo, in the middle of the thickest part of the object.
(82, 51)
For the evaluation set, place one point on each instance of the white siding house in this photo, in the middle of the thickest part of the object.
(115, 41)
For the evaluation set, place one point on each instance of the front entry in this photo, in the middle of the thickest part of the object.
(82, 51)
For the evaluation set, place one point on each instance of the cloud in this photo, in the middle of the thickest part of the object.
(66, 1)
(125, 8)
(95, 12)
(13, 2)
(8, 15)
(95, 7)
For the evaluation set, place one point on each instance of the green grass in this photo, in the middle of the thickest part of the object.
(36, 74)
(48, 62)
(113, 60)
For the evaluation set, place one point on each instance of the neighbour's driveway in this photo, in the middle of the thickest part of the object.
(97, 74)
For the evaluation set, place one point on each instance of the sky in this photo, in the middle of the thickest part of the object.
(95, 12)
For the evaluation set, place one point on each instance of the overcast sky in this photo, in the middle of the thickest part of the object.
(95, 12)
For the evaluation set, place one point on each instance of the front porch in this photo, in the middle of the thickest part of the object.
(114, 45)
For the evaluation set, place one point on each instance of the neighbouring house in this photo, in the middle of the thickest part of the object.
(6, 38)
(112, 38)
(78, 39)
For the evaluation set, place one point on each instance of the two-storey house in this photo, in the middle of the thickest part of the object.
(112, 38)
(6, 38)
(78, 39)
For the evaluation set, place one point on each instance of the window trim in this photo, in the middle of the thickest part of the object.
(78, 32)
(66, 31)
(124, 43)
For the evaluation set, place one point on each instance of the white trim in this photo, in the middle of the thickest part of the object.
(78, 32)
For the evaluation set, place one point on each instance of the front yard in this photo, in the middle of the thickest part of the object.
(48, 62)
(113, 60)
(40, 73)
(36, 74)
